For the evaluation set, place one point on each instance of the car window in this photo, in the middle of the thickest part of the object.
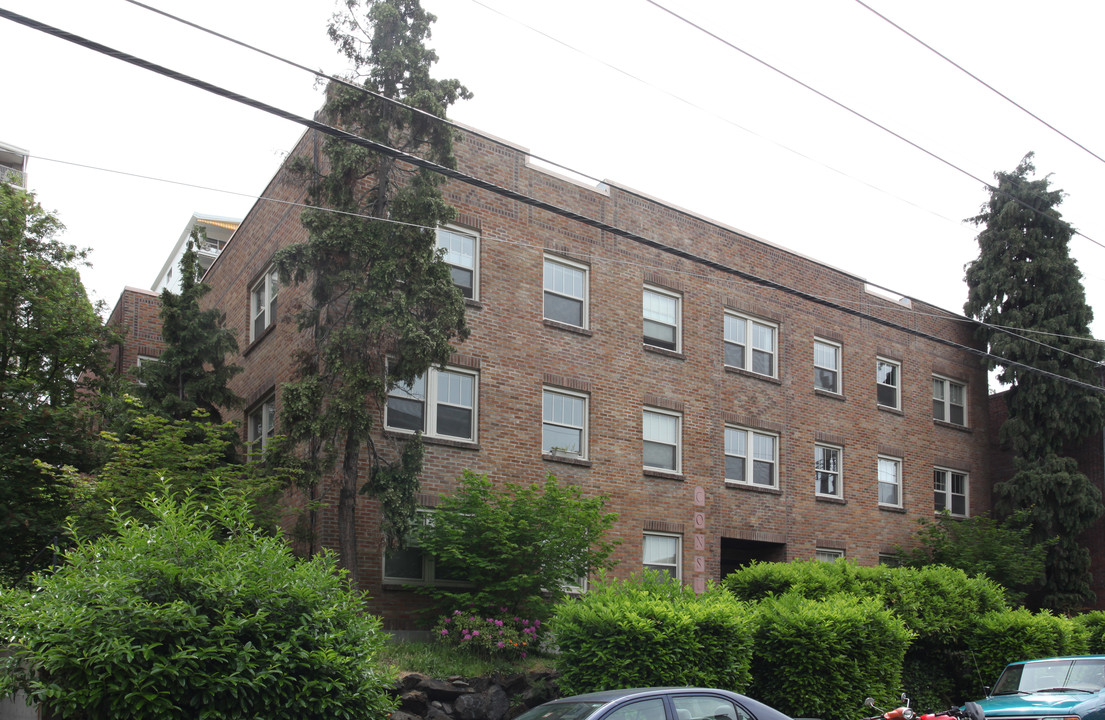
(707, 707)
(1085, 674)
(641, 710)
(561, 711)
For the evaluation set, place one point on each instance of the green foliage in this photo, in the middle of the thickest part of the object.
(1093, 624)
(1024, 278)
(651, 630)
(381, 308)
(817, 657)
(1006, 552)
(181, 618)
(518, 546)
(192, 372)
(1007, 636)
(491, 635)
(53, 347)
(1061, 503)
(441, 660)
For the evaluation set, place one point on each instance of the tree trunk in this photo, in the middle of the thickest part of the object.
(347, 508)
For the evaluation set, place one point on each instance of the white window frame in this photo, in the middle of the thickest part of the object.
(948, 483)
(677, 444)
(838, 355)
(144, 360)
(897, 385)
(818, 470)
(676, 569)
(431, 404)
(827, 554)
(262, 303)
(457, 260)
(897, 484)
(750, 457)
(945, 384)
(582, 298)
(547, 391)
(748, 347)
(263, 413)
(678, 325)
(427, 561)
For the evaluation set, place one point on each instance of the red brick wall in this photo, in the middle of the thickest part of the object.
(516, 351)
(138, 315)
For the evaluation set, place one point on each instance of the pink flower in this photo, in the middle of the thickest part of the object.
(475, 633)
(448, 619)
(456, 612)
(499, 623)
(444, 631)
(500, 645)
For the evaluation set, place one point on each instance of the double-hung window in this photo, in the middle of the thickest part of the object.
(950, 491)
(461, 254)
(827, 471)
(661, 318)
(441, 403)
(949, 401)
(826, 366)
(751, 457)
(661, 432)
(750, 344)
(260, 426)
(890, 481)
(565, 292)
(888, 383)
(412, 565)
(263, 303)
(563, 423)
(662, 552)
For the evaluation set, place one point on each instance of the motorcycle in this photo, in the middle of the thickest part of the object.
(969, 711)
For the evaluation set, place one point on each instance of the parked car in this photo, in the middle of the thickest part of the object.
(1059, 688)
(661, 703)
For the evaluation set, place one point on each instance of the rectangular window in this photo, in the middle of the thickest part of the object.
(460, 250)
(563, 423)
(827, 555)
(412, 565)
(826, 366)
(826, 471)
(757, 356)
(661, 318)
(750, 457)
(565, 292)
(260, 426)
(662, 552)
(950, 491)
(887, 382)
(949, 401)
(890, 481)
(144, 360)
(441, 404)
(661, 433)
(263, 303)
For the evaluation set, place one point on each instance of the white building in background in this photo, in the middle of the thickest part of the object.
(13, 165)
(218, 231)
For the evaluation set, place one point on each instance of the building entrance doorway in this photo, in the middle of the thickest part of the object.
(737, 553)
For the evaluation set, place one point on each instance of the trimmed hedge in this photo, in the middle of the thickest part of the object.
(819, 658)
(1004, 637)
(1094, 625)
(650, 630)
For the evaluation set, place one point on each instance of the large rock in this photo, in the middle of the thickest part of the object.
(489, 705)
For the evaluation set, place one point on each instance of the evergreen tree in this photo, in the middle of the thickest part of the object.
(1028, 291)
(192, 372)
(381, 308)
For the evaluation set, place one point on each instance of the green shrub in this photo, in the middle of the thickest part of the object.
(1094, 625)
(650, 630)
(1006, 636)
(819, 658)
(498, 635)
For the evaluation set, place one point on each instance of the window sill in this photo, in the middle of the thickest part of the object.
(753, 488)
(831, 499)
(264, 334)
(951, 426)
(473, 304)
(755, 376)
(555, 325)
(664, 474)
(431, 440)
(892, 509)
(828, 394)
(891, 410)
(662, 351)
(581, 462)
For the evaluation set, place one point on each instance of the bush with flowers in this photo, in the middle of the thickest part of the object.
(496, 634)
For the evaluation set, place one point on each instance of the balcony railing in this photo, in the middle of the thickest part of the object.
(12, 176)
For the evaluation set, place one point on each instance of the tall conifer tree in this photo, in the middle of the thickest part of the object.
(381, 307)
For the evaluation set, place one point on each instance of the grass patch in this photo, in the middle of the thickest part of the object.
(441, 661)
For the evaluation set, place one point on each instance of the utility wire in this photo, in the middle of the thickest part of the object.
(981, 82)
(519, 197)
(852, 111)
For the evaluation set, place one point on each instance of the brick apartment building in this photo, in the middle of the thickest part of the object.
(727, 419)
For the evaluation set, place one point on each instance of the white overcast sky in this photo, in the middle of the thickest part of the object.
(617, 89)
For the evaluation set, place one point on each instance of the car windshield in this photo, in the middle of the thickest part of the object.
(1071, 675)
(561, 711)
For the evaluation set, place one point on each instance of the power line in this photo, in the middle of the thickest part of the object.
(517, 196)
(981, 82)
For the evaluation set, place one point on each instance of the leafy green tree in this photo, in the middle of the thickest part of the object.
(193, 615)
(1006, 551)
(192, 372)
(53, 350)
(381, 308)
(517, 547)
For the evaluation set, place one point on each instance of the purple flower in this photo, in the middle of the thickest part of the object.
(499, 623)
(523, 654)
(525, 622)
(537, 623)
(444, 631)
(475, 633)
(500, 644)
(502, 609)
(456, 612)
(448, 619)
